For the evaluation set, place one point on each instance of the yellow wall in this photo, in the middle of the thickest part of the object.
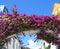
(56, 9)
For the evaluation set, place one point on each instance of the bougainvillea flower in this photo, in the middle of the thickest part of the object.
(16, 23)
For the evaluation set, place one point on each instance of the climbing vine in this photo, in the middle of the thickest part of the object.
(15, 23)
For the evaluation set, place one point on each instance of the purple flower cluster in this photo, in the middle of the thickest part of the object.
(15, 23)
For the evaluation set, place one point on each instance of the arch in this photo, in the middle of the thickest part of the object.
(47, 26)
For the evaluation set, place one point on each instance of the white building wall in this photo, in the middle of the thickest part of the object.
(13, 43)
(54, 47)
(1, 8)
(46, 44)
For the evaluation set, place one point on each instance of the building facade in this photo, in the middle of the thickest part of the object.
(12, 43)
(45, 44)
(56, 9)
(3, 9)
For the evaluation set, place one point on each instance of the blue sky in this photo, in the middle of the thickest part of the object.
(29, 41)
(39, 7)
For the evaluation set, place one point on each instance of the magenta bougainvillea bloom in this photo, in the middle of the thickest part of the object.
(15, 23)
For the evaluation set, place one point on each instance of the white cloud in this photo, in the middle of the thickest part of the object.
(32, 44)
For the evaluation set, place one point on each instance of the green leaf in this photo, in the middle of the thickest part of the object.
(48, 47)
